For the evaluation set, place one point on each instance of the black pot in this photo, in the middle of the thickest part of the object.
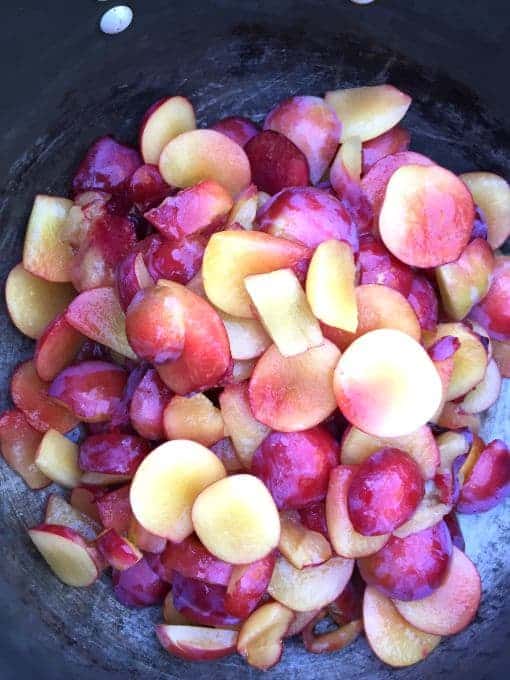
(64, 83)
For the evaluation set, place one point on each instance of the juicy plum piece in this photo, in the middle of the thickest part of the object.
(492, 195)
(260, 637)
(19, 442)
(131, 276)
(376, 180)
(56, 348)
(312, 126)
(493, 312)
(177, 261)
(139, 586)
(369, 111)
(332, 640)
(309, 216)
(32, 396)
(299, 545)
(155, 325)
(106, 166)
(91, 390)
(203, 206)
(427, 216)
(391, 142)
(226, 452)
(163, 121)
(200, 602)
(83, 498)
(117, 550)
(147, 188)
(238, 128)
(313, 517)
(205, 357)
(378, 265)
(278, 384)
(384, 492)
(193, 417)
(148, 404)
(409, 568)
(488, 482)
(386, 384)
(247, 585)
(33, 302)
(231, 256)
(97, 314)
(200, 155)
(114, 510)
(192, 560)
(196, 643)
(306, 457)
(455, 530)
(112, 453)
(423, 299)
(276, 162)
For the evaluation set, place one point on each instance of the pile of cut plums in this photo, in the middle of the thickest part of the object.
(262, 357)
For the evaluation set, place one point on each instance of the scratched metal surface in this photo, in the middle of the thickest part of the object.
(234, 64)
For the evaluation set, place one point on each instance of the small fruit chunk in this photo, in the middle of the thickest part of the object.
(376, 180)
(451, 607)
(330, 285)
(345, 540)
(283, 308)
(313, 127)
(98, 315)
(206, 354)
(492, 194)
(193, 418)
(368, 112)
(33, 302)
(469, 361)
(67, 554)
(294, 393)
(57, 458)
(120, 553)
(427, 216)
(246, 432)
(386, 384)
(91, 390)
(452, 417)
(106, 166)
(384, 492)
(244, 210)
(32, 396)
(192, 560)
(144, 540)
(429, 512)
(377, 265)
(231, 256)
(56, 348)
(299, 545)
(177, 261)
(312, 587)
(197, 155)
(45, 254)
(409, 568)
(170, 614)
(276, 162)
(332, 641)
(155, 325)
(423, 299)
(236, 519)
(486, 393)
(247, 337)
(391, 638)
(357, 446)
(18, 443)
(307, 458)
(167, 483)
(488, 482)
(226, 452)
(203, 206)
(139, 586)
(60, 512)
(83, 498)
(165, 119)
(200, 602)
(260, 638)
(195, 643)
(247, 585)
(309, 216)
(147, 188)
(114, 510)
(238, 128)
(313, 517)
(113, 453)
(465, 282)
(147, 406)
(393, 141)
(493, 311)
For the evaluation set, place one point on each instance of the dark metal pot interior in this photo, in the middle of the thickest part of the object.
(66, 84)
